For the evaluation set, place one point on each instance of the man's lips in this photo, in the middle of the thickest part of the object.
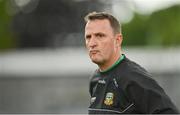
(93, 51)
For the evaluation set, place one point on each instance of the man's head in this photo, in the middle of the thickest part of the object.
(103, 15)
(103, 38)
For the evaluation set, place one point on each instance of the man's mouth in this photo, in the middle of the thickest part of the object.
(93, 51)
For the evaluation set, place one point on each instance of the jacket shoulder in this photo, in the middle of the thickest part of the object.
(147, 94)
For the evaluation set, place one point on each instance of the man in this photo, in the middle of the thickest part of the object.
(119, 85)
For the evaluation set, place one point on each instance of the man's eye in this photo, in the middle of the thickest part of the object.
(100, 35)
(87, 37)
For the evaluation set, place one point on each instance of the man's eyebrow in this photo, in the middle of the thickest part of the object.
(100, 33)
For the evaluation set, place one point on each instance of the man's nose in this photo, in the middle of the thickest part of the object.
(92, 42)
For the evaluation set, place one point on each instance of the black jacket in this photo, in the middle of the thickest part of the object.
(128, 88)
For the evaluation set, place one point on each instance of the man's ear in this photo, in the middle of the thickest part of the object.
(119, 39)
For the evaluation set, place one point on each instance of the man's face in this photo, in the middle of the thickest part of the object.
(100, 41)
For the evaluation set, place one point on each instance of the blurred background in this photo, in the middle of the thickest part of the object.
(44, 66)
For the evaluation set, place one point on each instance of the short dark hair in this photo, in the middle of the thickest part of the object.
(103, 15)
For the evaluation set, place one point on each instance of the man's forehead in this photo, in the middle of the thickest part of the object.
(91, 30)
(98, 25)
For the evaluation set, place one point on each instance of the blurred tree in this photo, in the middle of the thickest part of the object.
(135, 32)
(6, 39)
(161, 28)
(52, 21)
(164, 27)
(35, 29)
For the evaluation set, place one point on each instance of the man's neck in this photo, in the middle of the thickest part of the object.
(108, 65)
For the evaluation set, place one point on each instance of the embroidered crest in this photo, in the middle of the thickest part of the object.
(109, 98)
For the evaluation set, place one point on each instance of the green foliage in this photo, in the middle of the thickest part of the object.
(6, 40)
(161, 28)
(135, 31)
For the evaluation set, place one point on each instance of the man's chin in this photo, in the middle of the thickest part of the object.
(96, 61)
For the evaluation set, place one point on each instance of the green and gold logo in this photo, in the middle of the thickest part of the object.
(109, 99)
